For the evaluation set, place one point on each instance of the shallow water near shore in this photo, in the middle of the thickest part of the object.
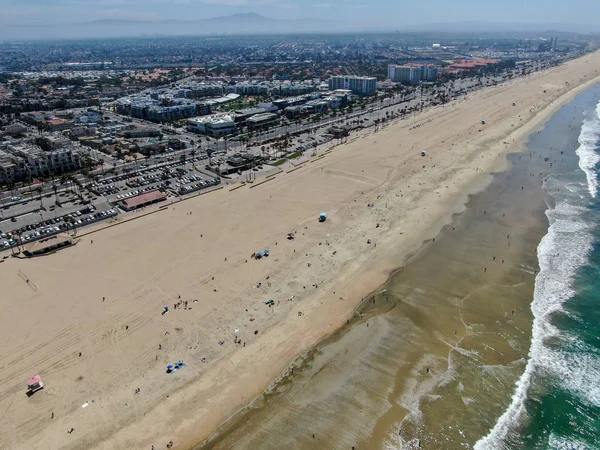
(432, 358)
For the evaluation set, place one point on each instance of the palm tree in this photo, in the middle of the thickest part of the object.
(77, 189)
(55, 191)
(72, 223)
(39, 190)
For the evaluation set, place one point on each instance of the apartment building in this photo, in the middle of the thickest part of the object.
(411, 73)
(216, 125)
(358, 85)
(18, 163)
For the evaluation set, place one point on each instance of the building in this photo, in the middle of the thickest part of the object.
(358, 85)
(242, 115)
(249, 89)
(48, 245)
(236, 164)
(268, 107)
(412, 74)
(90, 116)
(18, 163)
(296, 111)
(206, 90)
(158, 113)
(216, 125)
(295, 89)
(162, 106)
(265, 120)
(429, 73)
(139, 201)
(404, 74)
(317, 106)
(139, 132)
(14, 129)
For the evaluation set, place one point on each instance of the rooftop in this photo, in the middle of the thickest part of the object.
(139, 200)
(215, 118)
(45, 244)
(263, 116)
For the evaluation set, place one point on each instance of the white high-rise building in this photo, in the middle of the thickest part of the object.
(411, 74)
(358, 85)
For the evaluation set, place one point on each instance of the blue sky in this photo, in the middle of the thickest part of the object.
(367, 11)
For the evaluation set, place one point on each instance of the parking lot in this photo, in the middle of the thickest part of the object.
(28, 217)
(33, 227)
(178, 177)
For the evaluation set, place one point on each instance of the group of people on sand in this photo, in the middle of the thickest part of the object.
(181, 303)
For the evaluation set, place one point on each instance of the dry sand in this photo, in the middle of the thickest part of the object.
(145, 264)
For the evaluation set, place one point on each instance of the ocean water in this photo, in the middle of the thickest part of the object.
(556, 402)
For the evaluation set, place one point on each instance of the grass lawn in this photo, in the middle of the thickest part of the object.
(280, 162)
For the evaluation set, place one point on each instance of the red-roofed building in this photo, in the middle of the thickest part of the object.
(470, 64)
(58, 124)
(140, 201)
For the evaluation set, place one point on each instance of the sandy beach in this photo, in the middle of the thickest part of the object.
(89, 320)
(430, 360)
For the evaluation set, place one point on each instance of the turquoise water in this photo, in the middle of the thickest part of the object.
(556, 404)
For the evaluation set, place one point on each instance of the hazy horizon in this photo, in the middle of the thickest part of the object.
(74, 19)
(386, 13)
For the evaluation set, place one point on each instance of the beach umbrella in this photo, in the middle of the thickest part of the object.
(169, 367)
(267, 252)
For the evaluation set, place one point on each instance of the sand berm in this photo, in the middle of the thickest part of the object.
(200, 249)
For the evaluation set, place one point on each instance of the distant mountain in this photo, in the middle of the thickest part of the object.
(247, 23)
(251, 23)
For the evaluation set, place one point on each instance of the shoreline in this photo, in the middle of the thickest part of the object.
(478, 186)
(199, 401)
(279, 412)
(554, 290)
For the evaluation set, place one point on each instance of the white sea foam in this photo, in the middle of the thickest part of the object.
(588, 158)
(556, 442)
(563, 250)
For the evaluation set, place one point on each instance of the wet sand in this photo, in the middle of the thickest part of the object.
(431, 358)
